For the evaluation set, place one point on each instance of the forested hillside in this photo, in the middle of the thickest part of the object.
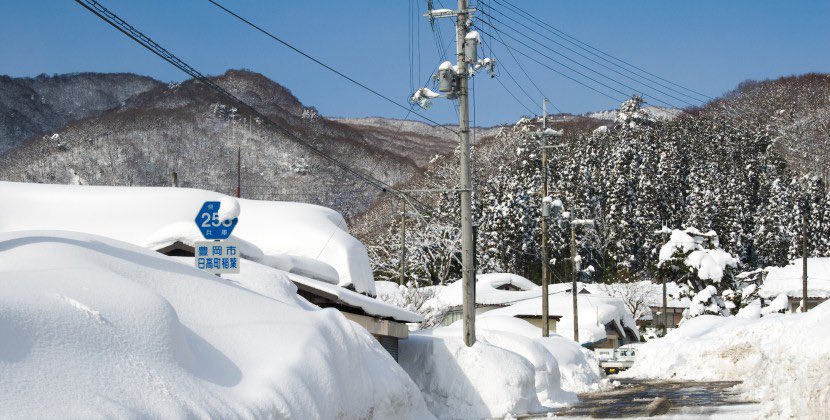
(724, 168)
(36, 106)
(101, 129)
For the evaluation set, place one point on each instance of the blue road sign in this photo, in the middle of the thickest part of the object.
(208, 221)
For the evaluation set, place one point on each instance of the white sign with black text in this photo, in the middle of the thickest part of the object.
(217, 257)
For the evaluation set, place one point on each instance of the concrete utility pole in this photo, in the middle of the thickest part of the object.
(544, 225)
(804, 252)
(402, 279)
(574, 273)
(468, 274)
(665, 299)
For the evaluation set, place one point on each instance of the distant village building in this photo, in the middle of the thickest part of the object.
(788, 280)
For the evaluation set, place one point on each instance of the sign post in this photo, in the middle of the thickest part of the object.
(217, 254)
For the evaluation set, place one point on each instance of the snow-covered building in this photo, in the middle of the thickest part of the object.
(493, 291)
(674, 310)
(604, 322)
(788, 280)
(310, 243)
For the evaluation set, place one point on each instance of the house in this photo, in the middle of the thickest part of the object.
(604, 322)
(309, 243)
(387, 323)
(674, 309)
(494, 291)
(788, 280)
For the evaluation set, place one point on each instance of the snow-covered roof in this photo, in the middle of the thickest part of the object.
(156, 217)
(787, 279)
(370, 305)
(594, 313)
(133, 332)
(487, 290)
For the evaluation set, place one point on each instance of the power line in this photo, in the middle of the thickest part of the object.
(616, 100)
(326, 66)
(577, 63)
(523, 71)
(587, 58)
(142, 39)
(593, 50)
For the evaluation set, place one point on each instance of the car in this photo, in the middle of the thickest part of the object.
(623, 358)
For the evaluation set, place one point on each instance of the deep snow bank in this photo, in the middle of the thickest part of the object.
(97, 327)
(155, 217)
(781, 359)
(460, 382)
(511, 369)
(578, 367)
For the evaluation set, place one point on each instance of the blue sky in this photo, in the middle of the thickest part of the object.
(707, 45)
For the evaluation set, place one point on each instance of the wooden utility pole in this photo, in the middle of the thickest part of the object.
(544, 224)
(804, 253)
(238, 171)
(466, 188)
(402, 279)
(574, 273)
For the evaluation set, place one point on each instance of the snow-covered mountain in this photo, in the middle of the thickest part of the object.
(104, 129)
(39, 105)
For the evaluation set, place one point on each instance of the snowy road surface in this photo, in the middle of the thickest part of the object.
(644, 398)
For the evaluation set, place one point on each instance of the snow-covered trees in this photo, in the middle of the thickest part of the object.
(703, 270)
(708, 171)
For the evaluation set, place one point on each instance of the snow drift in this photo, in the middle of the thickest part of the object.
(781, 359)
(156, 217)
(98, 327)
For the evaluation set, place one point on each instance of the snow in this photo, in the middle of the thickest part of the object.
(96, 327)
(487, 292)
(659, 113)
(149, 216)
(788, 279)
(473, 35)
(594, 312)
(460, 382)
(779, 304)
(780, 358)
(446, 66)
(709, 263)
(578, 367)
(228, 209)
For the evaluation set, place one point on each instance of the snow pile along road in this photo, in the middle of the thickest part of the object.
(95, 327)
(781, 359)
(511, 369)
(578, 367)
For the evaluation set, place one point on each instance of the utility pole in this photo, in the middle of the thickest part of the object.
(238, 171)
(804, 251)
(665, 299)
(544, 224)
(574, 272)
(465, 185)
(402, 279)
(453, 80)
